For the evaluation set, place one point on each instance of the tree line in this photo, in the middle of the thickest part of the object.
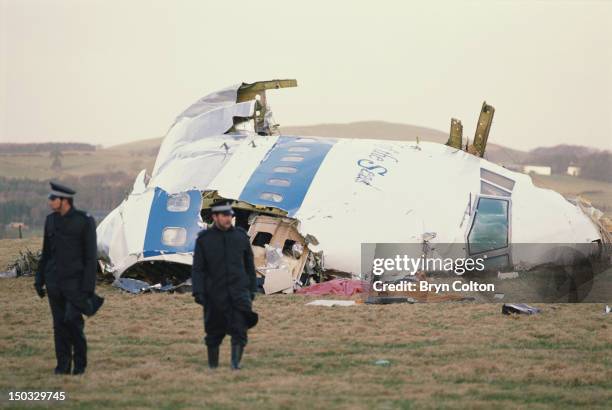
(25, 200)
(15, 148)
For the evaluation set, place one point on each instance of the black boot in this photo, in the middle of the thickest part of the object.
(64, 366)
(80, 363)
(62, 370)
(236, 356)
(213, 356)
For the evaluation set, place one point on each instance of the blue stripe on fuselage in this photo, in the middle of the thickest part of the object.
(260, 190)
(160, 217)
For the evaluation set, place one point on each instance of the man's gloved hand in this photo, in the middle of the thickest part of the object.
(40, 290)
(199, 298)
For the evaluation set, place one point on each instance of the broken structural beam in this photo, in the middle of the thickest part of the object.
(250, 91)
(482, 130)
(455, 137)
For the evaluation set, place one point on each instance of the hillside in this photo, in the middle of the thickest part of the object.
(134, 156)
(103, 176)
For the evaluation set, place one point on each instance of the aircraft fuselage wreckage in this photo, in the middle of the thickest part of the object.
(308, 203)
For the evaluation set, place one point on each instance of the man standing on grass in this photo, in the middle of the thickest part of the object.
(67, 272)
(223, 282)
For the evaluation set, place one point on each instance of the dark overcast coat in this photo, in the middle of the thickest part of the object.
(69, 254)
(223, 268)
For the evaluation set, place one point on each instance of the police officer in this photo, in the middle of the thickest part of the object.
(223, 282)
(67, 272)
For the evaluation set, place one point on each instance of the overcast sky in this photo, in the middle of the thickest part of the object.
(107, 72)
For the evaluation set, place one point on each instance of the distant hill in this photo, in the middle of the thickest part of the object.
(368, 129)
(134, 156)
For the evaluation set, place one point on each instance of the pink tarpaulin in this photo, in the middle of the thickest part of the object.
(343, 287)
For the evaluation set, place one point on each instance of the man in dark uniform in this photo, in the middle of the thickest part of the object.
(67, 269)
(223, 282)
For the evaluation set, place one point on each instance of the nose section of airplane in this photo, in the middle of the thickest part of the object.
(173, 223)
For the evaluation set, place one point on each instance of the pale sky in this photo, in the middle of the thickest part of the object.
(107, 72)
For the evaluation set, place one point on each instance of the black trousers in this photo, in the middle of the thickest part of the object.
(219, 321)
(68, 329)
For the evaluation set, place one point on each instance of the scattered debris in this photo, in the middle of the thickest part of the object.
(388, 300)
(607, 309)
(344, 287)
(382, 362)
(130, 285)
(519, 308)
(136, 286)
(331, 302)
(281, 253)
(25, 264)
(507, 275)
(8, 274)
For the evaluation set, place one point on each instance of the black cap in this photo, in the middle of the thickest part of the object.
(222, 207)
(60, 191)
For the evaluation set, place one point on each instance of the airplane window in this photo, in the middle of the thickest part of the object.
(174, 236)
(489, 230)
(178, 202)
(497, 179)
(298, 149)
(293, 158)
(288, 246)
(262, 239)
(285, 170)
(271, 196)
(488, 189)
(278, 182)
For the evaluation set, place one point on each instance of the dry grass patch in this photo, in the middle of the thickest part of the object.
(146, 351)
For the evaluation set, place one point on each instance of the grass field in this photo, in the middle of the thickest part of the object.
(146, 351)
(129, 159)
(599, 193)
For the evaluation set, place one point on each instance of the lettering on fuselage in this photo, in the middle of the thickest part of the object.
(376, 164)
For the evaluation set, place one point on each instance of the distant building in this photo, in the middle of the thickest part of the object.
(573, 170)
(537, 169)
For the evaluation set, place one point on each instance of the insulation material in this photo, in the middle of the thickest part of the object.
(344, 287)
(277, 280)
(331, 303)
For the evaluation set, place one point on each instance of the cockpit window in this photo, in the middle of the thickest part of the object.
(496, 179)
(490, 189)
(490, 226)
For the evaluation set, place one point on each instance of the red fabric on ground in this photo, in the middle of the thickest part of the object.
(343, 287)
